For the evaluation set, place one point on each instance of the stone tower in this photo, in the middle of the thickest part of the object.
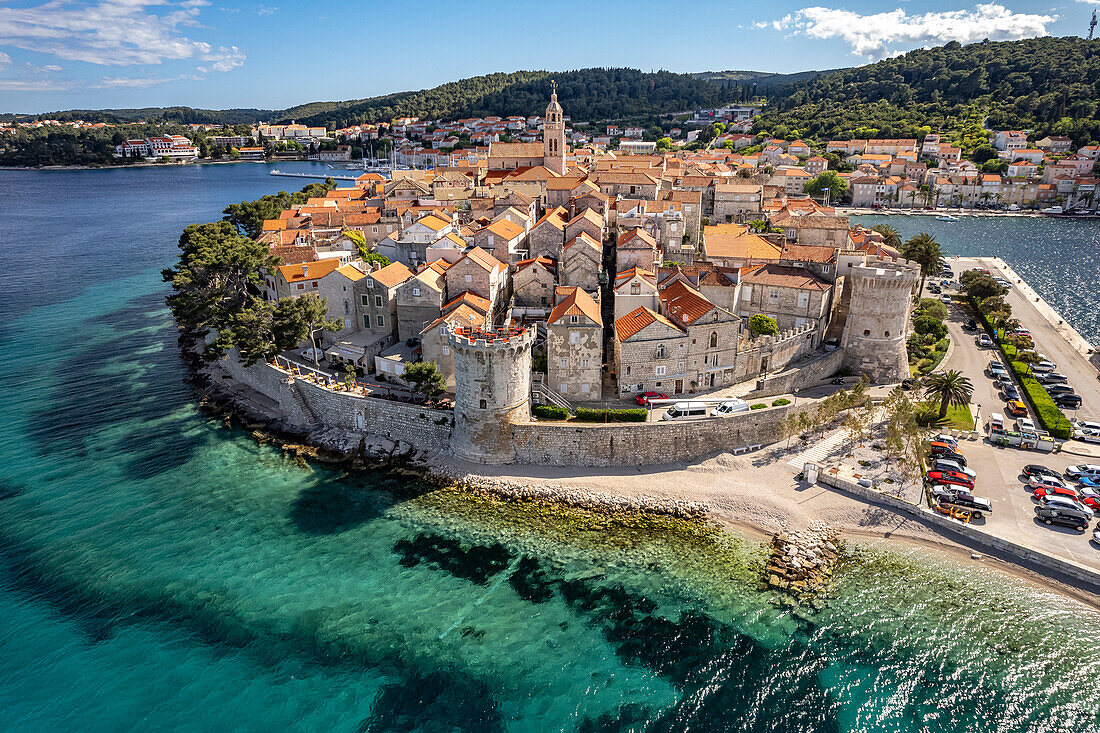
(553, 134)
(492, 390)
(878, 317)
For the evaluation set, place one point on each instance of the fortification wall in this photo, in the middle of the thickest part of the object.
(801, 375)
(630, 444)
(778, 351)
(421, 427)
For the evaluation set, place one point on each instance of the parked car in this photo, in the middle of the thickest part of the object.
(1087, 435)
(1065, 502)
(1089, 484)
(312, 354)
(909, 383)
(1052, 378)
(1043, 366)
(1091, 499)
(971, 325)
(831, 344)
(949, 478)
(730, 407)
(1025, 425)
(685, 411)
(1058, 389)
(1034, 469)
(934, 288)
(984, 341)
(1002, 380)
(644, 398)
(943, 464)
(950, 440)
(1086, 424)
(947, 299)
(1068, 401)
(995, 367)
(1016, 408)
(1090, 470)
(962, 497)
(949, 455)
(1036, 482)
(1010, 392)
(1045, 491)
(1049, 515)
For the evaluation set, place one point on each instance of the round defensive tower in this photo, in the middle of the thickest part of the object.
(878, 317)
(492, 390)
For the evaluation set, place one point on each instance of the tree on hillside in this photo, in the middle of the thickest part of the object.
(924, 250)
(302, 317)
(950, 388)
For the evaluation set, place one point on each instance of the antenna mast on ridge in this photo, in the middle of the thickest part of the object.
(1092, 25)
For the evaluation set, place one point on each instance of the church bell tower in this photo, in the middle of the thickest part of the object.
(553, 134)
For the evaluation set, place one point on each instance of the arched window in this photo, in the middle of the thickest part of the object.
(714, 340)
(867, 332)
(886, 334)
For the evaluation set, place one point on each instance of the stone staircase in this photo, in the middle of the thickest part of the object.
(296, 392)
(543, 395)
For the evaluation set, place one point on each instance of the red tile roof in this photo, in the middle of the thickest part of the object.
(574, 302)
(637, 319)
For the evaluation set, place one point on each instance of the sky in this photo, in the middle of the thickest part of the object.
(94, 54)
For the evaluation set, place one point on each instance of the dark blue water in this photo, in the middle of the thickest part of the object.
(1059, 258)
(161, 572)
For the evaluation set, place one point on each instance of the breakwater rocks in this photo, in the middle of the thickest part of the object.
(515, 491)
(801, 563)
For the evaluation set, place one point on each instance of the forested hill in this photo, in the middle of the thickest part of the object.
(1051, 85)
(587, 95)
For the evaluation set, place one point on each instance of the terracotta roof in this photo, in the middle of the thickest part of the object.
(483, 258)
(555, 217)
(684, 302)
(308, 270)
(392, 274)
(515, 150)
(506, 228)
(584, 238)
(274, 225)
(463, 315)
(563, 183)
(734, 240)
(572, 301)
(294, 254)
(351, 272)
(433, 222)
(631, 273)
(808, 253)
(636, 239)
(589, 215)
(637, 319)
(547, 262)
(784, 277)
(470, 299)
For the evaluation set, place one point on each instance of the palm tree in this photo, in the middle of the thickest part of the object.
(950, 387)
(925, 251)
(890, 236)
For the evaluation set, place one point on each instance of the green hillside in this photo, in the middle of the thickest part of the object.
(1050, 85)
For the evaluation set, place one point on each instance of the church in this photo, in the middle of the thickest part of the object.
(550, 152)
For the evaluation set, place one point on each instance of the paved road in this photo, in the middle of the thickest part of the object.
(1000, 469)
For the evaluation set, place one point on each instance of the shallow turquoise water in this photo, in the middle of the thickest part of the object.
(158, 571)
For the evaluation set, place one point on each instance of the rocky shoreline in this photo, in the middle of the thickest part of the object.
(801, 563)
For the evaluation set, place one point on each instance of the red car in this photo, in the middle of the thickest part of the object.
(950, 477)
(643, 398)
(1089, 499)
(1042, 491)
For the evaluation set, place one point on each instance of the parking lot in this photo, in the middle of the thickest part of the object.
(1000, 469)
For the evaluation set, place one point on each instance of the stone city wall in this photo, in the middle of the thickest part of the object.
(630, 444)
(421, 427)
(801, 376)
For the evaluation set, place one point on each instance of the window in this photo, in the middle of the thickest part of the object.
(564, 388)
(867, 332)
(573, 319)
(660, 351)
(714, 340)
(416, 292)
(635, 289)
(446, 350)
(381, 321)
(378, 301)
(660, 371)
(886, 334)
(803, 300)
(442, 330)
(563, 363)
(482, 404)
(585, 388)
(628, 370)
(301, 286)
(585, 363)
(314, 283)
(347, 307)
(773, 295)
(574, 337)
(469, 278)
(366, 320)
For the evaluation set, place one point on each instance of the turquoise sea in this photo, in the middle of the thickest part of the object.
(159, 571)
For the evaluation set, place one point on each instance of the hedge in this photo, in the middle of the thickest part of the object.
(780, 402)
(757, 406)
(585, 414)
(550, 412)
(1050, 417)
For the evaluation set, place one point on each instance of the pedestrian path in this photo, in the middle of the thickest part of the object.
(819, 450)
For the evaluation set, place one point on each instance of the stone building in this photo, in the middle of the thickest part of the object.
(492, 391)
(737, 202)
(637, 248)
(481, 273)
(434, 345)
(574, 345)
(548, 234)
(581, 263)
(878, 317)
(635, 288)
(420, 300)
(377, 295)
(504, 239)
(733, 245)
(793, 296)
(533, 283)
(587, 221)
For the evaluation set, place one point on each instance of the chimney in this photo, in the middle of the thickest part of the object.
(305, 270)
(376, 265)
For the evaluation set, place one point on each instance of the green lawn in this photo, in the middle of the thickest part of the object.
(959, 417)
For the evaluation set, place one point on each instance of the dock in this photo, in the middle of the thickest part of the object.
(317, 176)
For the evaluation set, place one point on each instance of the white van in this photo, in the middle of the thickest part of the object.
(731, 406)
(685, 411)
(996, 423)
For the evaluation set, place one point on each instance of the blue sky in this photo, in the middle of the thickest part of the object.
(60, 54)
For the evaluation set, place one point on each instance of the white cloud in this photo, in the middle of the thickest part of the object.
(4, 58)
(113, 32)
(265, 10)
(51, 67)
(881, 35)
(1089, 2)
(122, 82)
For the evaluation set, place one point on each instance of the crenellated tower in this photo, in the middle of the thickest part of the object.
(878, 319)
(492, 390)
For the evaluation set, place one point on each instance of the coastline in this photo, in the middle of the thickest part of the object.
(969, 213)
(132, 165)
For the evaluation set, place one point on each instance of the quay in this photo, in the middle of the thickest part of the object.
(316, 176)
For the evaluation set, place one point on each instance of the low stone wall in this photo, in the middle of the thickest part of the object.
(421, 427)
(800, 376)
(1025, 555)
(630, 444)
